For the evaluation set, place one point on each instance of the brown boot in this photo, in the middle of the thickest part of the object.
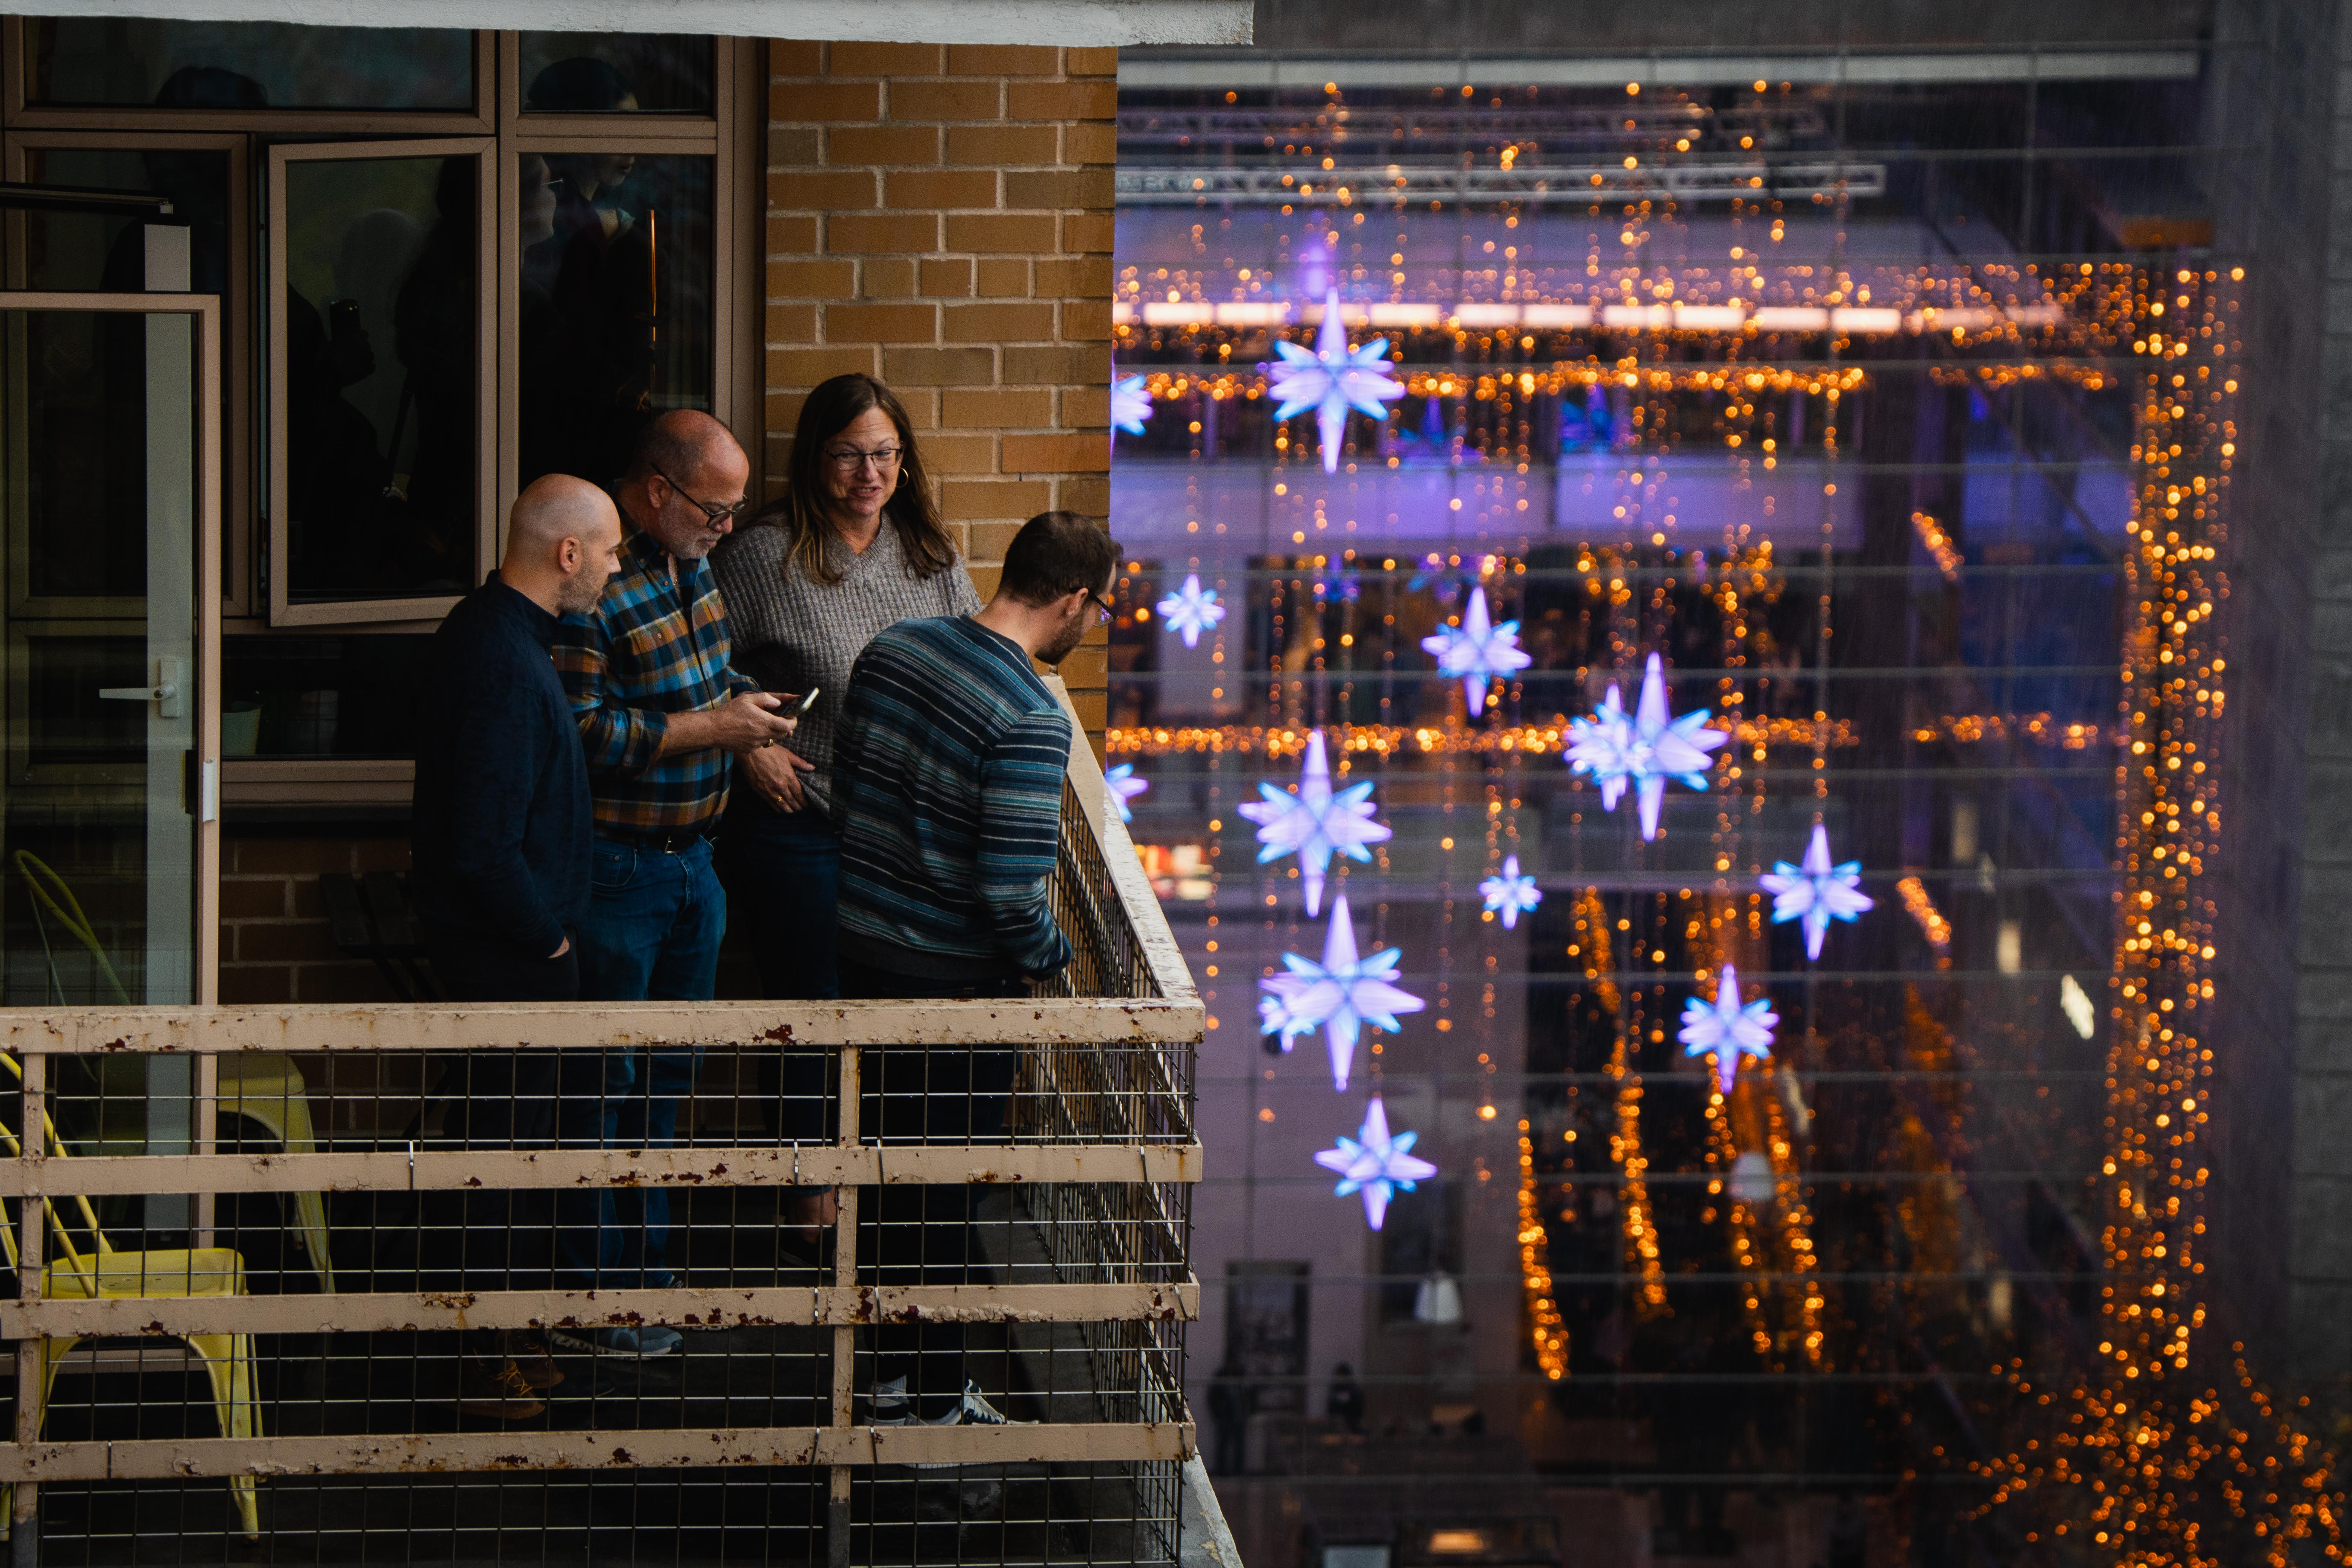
(494, 1389)
(527, 1353)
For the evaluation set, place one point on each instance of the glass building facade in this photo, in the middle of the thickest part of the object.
(1667, 496)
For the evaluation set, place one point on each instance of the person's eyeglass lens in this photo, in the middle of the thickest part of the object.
(1103, 611)
(848, 459)
(714, 513)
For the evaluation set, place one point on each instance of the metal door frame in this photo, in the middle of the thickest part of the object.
(206, 311)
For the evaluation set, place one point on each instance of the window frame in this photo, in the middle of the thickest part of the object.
(734, 135)
(237, 562)
(283, 611)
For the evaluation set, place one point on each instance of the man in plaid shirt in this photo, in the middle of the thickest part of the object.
(663, 720)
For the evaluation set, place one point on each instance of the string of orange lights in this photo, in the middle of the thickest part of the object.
(2138, 1448)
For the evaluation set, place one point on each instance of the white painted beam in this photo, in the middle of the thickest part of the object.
(1087, 23)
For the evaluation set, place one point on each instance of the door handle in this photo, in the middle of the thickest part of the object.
(164, 692)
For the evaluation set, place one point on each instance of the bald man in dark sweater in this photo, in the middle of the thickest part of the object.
(500, 852)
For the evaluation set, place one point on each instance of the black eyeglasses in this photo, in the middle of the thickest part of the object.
(1103, 609)
(712, 513)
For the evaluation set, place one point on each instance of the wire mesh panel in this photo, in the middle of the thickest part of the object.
(404, 1301)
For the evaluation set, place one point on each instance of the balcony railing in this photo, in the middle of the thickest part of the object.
(263, 1337)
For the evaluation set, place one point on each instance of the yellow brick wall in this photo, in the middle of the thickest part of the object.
(940, 216)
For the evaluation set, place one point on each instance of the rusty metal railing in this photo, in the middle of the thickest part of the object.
(1080, 1296)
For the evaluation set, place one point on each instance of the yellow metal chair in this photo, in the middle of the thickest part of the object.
(180, 1273)
(269, 1088)
(266, 1088)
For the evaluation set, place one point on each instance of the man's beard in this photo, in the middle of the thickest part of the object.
(578, 596)
(1065, 640)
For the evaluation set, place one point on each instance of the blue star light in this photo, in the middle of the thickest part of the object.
(1130, 405)
(1124, 786)
(1375, 1164)
(1644, 749)
(1728, 1030)
(1338, 995)
(1191, 609)
(1333, 379)
(1815, 892)
(1509, 894)
(1317, 822)
(1477, 652)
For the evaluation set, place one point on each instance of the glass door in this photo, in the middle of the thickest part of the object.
(111, 639)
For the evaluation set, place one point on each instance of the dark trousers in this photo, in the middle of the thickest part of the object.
(922, 1235)
(782, 875)
(505, 1099)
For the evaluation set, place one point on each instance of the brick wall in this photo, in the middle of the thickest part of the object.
(275, 945)
(940, 216)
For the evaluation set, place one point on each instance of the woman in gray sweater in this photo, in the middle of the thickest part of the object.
(854, 545)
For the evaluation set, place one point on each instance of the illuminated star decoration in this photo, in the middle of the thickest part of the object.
(1816, 892)
(1338, 995)
(1509, 894)
(1191, 609)
(1124, 786)
(1130, 405)
(1333, 379)
(1644, 750)
(1478, 651)
(1375, 1164)
(1316, 823)
(1727, 1029)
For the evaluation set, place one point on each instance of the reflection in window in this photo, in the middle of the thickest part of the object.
(381, 377)
(321, 697)
(96, 251)
(78, 500)
(615, 303)
(71, 60)
(616, 73)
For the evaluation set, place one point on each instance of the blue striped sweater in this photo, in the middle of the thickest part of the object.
(947, 788)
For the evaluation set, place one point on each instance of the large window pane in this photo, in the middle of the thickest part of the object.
(382, 378)
(75, 60)
(616, 73)
(614, 323)
(321, 697)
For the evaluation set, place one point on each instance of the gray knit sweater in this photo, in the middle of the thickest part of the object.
(790, 633)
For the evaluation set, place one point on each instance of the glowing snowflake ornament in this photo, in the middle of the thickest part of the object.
(1191, 609)
(1316, 823)
(1374, 1164)
(1644, 749)
(1509, 894)
(1478, 651)
(1338, 995)
(1727, 1029)
(1124, 786)
(1130, 405)
(1333, 379)
(1815, 892)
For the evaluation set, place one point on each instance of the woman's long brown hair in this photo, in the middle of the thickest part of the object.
(832, 408)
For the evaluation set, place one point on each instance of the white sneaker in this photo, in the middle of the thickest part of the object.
(972, 1410)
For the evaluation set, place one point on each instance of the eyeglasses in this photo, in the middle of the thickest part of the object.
(849, 459)
(1103, 612)
(715, 513)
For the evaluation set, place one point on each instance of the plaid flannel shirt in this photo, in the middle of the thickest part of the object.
(649, 649)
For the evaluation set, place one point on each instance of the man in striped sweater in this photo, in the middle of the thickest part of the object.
(947, 791)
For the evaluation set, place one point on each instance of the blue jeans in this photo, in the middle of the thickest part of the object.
(651, 934)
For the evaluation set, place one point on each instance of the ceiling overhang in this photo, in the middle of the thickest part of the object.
(1090, 24)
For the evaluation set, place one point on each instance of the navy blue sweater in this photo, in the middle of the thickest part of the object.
(500, 840)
